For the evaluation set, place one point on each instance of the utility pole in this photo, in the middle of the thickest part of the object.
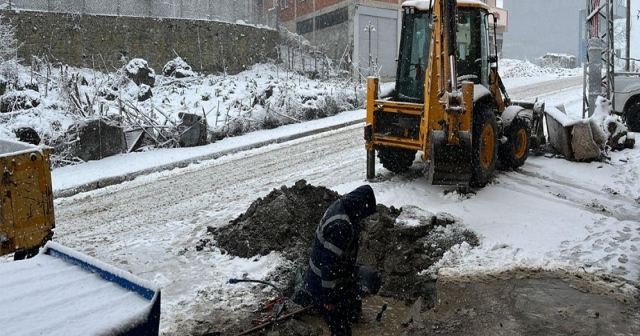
(628, 51)
(599, 52)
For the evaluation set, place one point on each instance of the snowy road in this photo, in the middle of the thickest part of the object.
(151, 226)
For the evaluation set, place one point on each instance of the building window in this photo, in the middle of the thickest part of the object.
(327, 20)
(304, 27)
(284, 4)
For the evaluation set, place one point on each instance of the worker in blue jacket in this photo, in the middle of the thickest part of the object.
(332, 272)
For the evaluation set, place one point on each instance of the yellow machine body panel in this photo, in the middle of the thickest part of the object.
(26, 212)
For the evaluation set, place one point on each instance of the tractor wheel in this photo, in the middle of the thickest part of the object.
(484, 147)
(397, 160)
(515, 151)
(632, 117)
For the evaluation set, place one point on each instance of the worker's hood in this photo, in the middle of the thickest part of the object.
(359, 203)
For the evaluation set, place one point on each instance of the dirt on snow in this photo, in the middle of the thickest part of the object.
(400, 243)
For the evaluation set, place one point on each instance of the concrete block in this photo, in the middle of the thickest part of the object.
(95, 140)
(193, 130)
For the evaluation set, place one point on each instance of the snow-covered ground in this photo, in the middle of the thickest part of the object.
(550, 213)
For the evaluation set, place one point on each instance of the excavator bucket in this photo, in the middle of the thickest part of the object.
(586, 139)
(449, 164)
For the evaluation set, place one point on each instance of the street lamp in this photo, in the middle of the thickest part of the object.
(369, 29)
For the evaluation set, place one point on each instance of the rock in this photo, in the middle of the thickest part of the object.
(592, 313)
(139, 72)
(19, 100)
(301, 184)
(444, 219)
(144, 92)
(96, 139)
(32, 86)
(28, 135)
(3, 85)
(193, 130)
(177, 68)
(630, 141)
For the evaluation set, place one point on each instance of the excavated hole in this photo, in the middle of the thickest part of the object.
(400, 243)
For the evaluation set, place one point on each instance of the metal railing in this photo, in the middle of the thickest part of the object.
(222, 10)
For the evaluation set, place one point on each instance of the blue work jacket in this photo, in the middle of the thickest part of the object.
(335, 249)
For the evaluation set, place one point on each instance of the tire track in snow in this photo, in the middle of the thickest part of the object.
(151, 226)
(538, 90)
(613, 243)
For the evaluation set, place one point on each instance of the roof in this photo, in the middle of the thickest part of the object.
(426, 4)
(63, 292)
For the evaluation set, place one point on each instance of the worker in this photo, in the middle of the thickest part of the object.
(331, 278)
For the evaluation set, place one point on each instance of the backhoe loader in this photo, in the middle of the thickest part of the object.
(449, 101)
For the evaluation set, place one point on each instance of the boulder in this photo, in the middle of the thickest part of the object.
(19, 100)
(139, 72)
(28, 135)
(177, 68)
(144, 93)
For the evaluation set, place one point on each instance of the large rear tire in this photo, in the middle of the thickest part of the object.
(484, 153)
(632, 117)
(397, 160)
(515, 151)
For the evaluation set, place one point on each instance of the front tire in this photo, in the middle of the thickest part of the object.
(515, 151)
(484, 147)
(397, 160)
(632, 117)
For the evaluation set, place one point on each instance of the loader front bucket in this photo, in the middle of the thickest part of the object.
(577, 140)
(449, 164)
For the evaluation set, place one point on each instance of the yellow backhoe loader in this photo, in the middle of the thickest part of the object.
(449, 102)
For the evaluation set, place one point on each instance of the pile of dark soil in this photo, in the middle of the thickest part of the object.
(285, 221)
(401, 252)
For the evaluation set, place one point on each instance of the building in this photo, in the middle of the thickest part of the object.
(362, 31)
(548, 26)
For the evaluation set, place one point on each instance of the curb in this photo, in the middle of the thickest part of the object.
(109, 181)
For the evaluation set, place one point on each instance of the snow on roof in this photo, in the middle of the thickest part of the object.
(426, 4)
(63, 292)
(558, 55)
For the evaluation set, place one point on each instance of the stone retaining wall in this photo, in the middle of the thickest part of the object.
(93, 41)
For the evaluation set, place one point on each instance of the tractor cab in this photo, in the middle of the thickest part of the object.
(472, 48)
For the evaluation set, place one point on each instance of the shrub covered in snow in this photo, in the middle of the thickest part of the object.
(265, 96)
(19, 100)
